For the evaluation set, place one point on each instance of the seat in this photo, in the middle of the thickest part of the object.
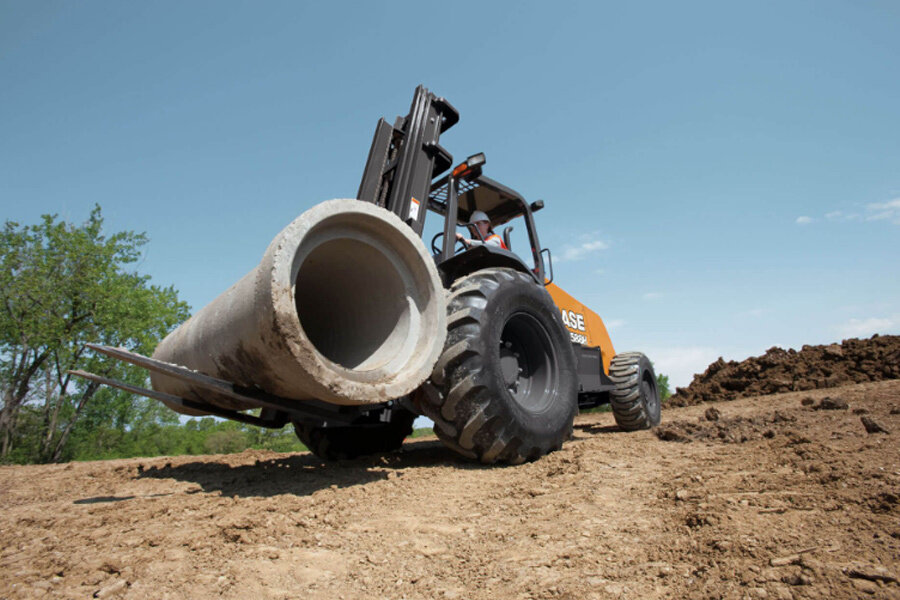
(506, 233)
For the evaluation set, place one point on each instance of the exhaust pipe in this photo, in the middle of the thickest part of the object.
(345, 307)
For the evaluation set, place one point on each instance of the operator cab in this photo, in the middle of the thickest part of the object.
(466, 190)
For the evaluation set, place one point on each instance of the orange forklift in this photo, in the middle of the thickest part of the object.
(521, 355)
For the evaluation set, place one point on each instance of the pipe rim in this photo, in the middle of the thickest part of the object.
(424, 304)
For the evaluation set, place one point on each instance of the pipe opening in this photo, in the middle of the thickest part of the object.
(353, 304)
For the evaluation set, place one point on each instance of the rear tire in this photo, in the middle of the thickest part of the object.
(352, 441)
(635, 400)
(505, 387)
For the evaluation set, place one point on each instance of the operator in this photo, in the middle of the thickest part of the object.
(481, 228)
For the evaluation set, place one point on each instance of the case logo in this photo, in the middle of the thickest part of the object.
(574, 320)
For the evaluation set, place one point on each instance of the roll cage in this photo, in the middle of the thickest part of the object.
(455, 198)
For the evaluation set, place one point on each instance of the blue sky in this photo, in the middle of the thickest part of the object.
(719, 177)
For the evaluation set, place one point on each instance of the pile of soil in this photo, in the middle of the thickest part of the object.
(813, 367)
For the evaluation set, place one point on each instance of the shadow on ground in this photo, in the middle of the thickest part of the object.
(304, 474)
(593, 428)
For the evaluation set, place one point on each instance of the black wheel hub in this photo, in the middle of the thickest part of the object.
(646, 392)
(528, 362)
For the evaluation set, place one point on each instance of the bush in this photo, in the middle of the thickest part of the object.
(226, 442)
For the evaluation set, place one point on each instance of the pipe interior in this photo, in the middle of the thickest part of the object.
(352, 304)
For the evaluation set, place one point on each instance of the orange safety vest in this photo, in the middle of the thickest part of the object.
(500, 239)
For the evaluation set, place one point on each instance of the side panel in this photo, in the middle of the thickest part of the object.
(587, 361)
(584, 325)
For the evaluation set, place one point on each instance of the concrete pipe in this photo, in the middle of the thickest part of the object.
(345, 307)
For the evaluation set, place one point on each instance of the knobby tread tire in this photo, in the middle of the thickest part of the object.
(340, 443)
(474, 412)
(635, 400)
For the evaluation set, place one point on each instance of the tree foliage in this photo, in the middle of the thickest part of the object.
(662, 384)
(152, 436)
(62, 286)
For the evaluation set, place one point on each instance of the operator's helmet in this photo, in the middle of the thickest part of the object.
(478, 215)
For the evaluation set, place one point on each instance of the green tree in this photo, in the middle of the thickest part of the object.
(226, 442)
(62, 286)
(662, 384)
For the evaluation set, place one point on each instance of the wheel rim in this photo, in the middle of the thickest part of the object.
(528, 362)
(647, 393)
(650, 397)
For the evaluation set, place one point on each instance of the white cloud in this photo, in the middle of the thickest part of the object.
(652, 296)
(570, 253)
(884, 211)
(839, 216)
(875, 211)
(614, 323)
(680, 363)
(422, 422)
(866, 327)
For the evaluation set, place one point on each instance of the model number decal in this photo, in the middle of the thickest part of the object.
(573, 320)
(577, 338)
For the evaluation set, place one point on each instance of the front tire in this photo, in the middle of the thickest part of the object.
(635, 400)
(505, 387)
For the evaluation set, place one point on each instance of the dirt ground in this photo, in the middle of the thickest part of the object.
(782, 496)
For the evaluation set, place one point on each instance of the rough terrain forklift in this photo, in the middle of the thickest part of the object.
(349, 329)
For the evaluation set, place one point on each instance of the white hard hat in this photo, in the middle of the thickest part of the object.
(477, 216)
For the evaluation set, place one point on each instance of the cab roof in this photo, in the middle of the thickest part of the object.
(501, 203)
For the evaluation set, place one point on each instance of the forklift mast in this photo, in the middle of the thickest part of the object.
(405, 157)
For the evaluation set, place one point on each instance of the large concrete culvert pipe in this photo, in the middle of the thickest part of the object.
(346, 307)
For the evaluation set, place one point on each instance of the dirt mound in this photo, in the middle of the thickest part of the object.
(778, 370)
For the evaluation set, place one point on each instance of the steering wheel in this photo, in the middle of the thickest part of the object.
(435, 249)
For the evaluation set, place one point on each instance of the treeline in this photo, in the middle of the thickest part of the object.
(126, 427)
